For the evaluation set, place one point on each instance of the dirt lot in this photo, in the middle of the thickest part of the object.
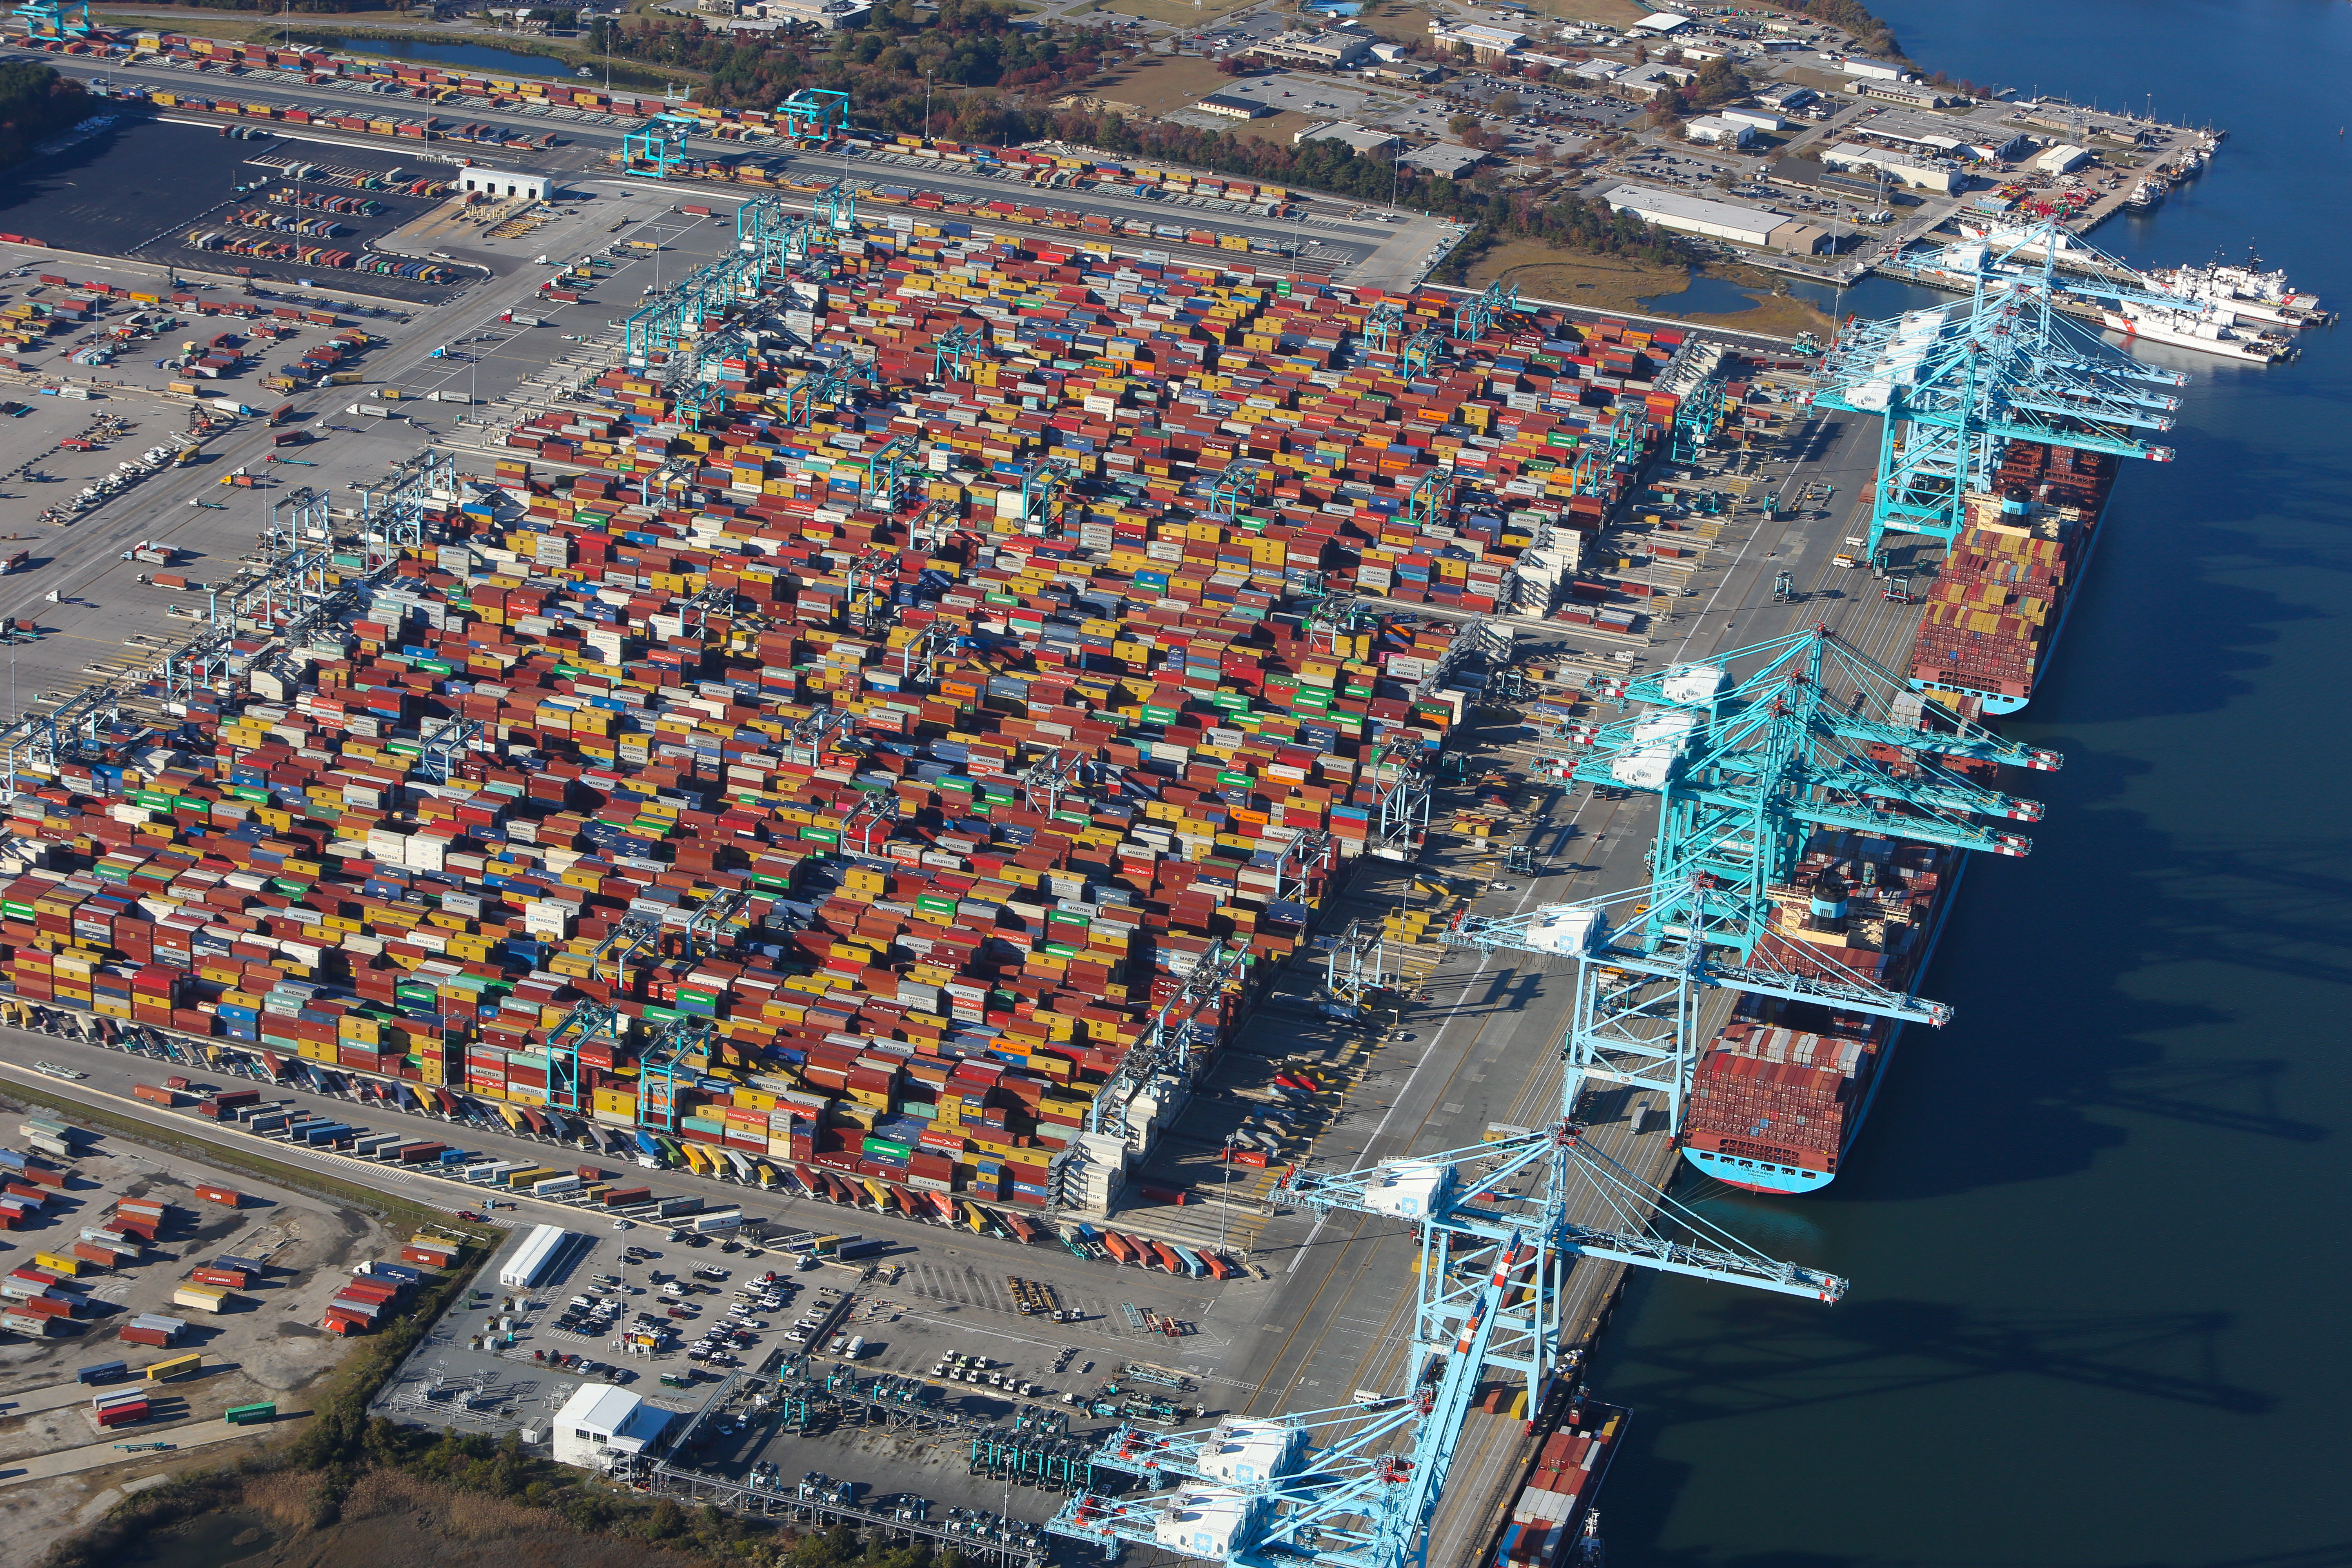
(267, 1347)
(1612, 283)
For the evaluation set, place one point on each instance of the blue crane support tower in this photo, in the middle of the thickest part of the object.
(1236, 488)
(1954, 382)
(953, 354)
(836, 208)
(887, 473)
(1472, 318)
(1381, 323)
(587, 1022)
(55, 19)
(1432, 498)
(1044, 496)
(830, 385)
(660, 143)
(1350, 1487)
(1600, 453)
(814, 114)
(1421, 350)
(771, 233)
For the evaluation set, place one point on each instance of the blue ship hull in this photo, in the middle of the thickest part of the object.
(1997, 703)
(1766, 1177)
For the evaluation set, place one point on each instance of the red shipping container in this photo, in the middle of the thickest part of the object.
(225, 1196)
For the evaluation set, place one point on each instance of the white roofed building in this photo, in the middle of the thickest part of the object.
(599, 1422)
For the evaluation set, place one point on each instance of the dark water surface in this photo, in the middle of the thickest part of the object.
(2096, 1227)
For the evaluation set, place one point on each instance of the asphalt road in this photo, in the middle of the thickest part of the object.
(584, 145)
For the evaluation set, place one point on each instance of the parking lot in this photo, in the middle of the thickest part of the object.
(138, 191)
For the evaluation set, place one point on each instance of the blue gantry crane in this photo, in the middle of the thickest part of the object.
(656, 147)
(814, 114)
(55, 19)
(1954, 384)
(1235, 487)
(1473, 318)
(1421, 350)
(954, 354)
(1747, 768)
(1349, 1487)
(588, 1021)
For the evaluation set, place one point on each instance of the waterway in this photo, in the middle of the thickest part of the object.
(473, 57)
(2094, 1227)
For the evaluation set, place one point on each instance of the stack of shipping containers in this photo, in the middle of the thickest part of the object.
(927, 967)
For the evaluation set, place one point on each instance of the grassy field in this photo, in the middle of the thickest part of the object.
(1178, 13)
(1396, 21)
(1158, 83)
(1609, 13)
(1617, 283)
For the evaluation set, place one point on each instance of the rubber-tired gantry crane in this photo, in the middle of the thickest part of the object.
(1954, 382)
(1346, 1486)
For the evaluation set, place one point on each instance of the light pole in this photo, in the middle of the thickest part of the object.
(1224, 1160)
(928, 78)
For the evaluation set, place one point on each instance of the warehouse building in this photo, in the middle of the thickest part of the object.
(1372, 144)
(1720, 131)
(601, 1422)
(501, 182)
(1232, 107)
(1730, 221)
(538, 1257)
(2062, 159)
(1940, 176)
(1443, 159)
(1334, 49)
(1941, 134)
(1909, 94)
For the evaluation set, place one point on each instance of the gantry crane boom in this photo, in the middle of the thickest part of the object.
(1342, 1488)
(1954, 382)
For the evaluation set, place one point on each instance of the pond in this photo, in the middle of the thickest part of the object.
(1706, 295)
(473, 57)
(208, 1540)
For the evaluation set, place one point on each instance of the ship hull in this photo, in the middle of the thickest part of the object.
(1999, 704)
(2238, 349)
(1793, 1181)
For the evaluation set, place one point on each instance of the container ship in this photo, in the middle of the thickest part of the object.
(2001, 596)
(1553, 1523)
(1780, 1095)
